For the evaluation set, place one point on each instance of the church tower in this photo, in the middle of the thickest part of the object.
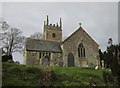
(52, 32)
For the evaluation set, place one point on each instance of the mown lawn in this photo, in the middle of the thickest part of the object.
(22, 75)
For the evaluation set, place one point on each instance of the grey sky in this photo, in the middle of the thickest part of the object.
(99, 19)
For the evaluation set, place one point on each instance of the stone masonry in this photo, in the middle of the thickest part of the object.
(79, 49)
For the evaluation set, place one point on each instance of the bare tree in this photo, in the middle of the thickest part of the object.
(11, 39)
(37, 35)
(3, 28)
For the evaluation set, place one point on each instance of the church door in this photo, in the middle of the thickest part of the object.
(70, 60)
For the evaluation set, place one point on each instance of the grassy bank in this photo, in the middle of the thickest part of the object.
(22, 75)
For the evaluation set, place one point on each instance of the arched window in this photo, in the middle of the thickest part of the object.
(81, 50)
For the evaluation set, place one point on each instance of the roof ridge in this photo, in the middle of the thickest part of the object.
(42, 40)
(72, 34)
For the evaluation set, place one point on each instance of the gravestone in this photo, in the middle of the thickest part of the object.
(45, 61)
(102, 64)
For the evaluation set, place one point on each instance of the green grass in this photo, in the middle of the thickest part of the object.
(76, 76)
(22, 75)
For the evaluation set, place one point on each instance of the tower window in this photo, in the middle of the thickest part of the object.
(53, 35)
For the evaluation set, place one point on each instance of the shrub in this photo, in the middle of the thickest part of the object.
(10, 61)
(14, 70)
(108, 78)
(33, 70)
(47, 78)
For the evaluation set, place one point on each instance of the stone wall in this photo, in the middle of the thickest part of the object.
(56, 59)
(49, 30)
(48, 35)
(71, 45)
(33, 58)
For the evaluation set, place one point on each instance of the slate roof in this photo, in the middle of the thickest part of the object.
(42, 45)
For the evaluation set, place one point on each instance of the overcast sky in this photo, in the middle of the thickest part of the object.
(99, 19)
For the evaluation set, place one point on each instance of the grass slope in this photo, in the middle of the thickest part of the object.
(22, 75)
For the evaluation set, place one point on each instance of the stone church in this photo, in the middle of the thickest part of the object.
(79, 49)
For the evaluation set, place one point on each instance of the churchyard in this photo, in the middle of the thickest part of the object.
(22, 75)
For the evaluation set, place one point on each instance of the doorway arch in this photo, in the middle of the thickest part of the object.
(71, 60)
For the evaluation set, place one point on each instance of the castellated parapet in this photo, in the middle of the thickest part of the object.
(52, 32)
(53, 27)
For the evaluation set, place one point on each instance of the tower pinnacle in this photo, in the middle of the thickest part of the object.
(47, 20)
(60, 24)
(44, 23)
